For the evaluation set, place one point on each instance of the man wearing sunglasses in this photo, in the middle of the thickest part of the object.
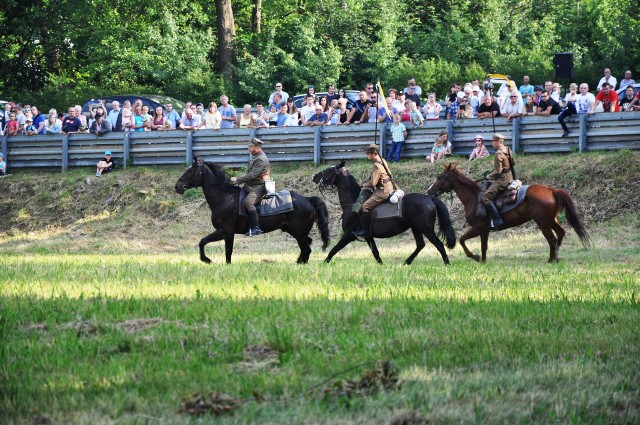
(512, 108)
(547, 106)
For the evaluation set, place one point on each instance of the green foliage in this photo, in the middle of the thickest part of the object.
(56, 53)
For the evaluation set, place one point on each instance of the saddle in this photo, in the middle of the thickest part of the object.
(506, 200)
(387, 209)
(279, 203)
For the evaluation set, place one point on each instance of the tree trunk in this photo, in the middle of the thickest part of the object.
(226, 35)
(257, 16)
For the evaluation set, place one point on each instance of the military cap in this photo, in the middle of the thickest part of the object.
(255, 142)
(373, 148)
(497, 136)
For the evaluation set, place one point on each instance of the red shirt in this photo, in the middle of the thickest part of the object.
(607, 99)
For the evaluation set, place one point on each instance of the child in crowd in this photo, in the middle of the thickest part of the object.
(437, 152)
(29, 128)
(417, 120)
(12, 125)
(480, 151)
(146, 118)
(406, 112)
(105, 165)
(398, 135)
(272, 116)
(3, 166)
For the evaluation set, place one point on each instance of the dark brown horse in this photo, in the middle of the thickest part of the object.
(223, 199)
(541, 204)
(419, 215)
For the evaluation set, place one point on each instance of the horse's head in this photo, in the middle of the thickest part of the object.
(192, 177)
(444, 181)
(326, 178)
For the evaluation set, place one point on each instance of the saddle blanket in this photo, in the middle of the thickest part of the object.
(506, 201)
(387, 209)
(279, 203)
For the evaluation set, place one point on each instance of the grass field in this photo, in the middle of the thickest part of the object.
(117, 333)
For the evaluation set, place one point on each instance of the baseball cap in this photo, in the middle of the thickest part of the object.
(475, 88)
(537, 88)
(107, 152)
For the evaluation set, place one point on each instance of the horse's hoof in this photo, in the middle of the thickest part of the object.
(205, 260)
(477, 258)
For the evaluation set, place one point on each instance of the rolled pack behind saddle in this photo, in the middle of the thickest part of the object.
(506, 200)
(278, 203)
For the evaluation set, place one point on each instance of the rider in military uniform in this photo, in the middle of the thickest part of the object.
(380, 183)
(501, 177)
(258, 171)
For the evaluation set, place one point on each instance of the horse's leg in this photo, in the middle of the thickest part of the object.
(560, 232)
(374, 250)
(228, 247)
(417, 234)
(304, 242)
(346, 239)
(551, 239)
(484, 244)
(213, 237)
(433, 238)
(471, 233)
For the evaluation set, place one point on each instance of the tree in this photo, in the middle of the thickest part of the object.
(226, 35)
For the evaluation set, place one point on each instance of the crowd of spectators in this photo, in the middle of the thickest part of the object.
(404, 108)
(474, 99)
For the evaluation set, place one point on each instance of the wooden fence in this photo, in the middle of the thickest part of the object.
(286, 144)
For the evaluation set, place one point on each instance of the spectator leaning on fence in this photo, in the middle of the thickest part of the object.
(548, 106)
(629, 102)
(608, 98)
(227, 112)
(71, 123)
(53, 125)
(100, 126)
(513, 107)
(172, 115)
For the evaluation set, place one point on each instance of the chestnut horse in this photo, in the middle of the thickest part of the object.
(223, 199)
(541, 204)
(419, 215)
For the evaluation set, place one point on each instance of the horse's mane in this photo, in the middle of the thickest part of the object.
(220, 176)
(464, 179)
(353, 185)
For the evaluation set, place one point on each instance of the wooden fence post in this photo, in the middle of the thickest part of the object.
(582, 139)
(65, 152)
(317, 149)
(125, 150)
(515, 135)
(189, 154)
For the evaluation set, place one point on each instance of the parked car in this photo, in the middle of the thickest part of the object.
(620, 91)
(151, 100)
(352, 96)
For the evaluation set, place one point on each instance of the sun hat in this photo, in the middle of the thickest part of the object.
(479, 136)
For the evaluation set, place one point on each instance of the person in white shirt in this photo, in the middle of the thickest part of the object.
(284, 94)
(608, 78)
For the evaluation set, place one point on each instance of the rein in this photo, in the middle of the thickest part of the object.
(326, 185)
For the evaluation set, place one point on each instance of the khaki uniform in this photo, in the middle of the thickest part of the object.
(502, 175)
(258, 171)
(379, 182)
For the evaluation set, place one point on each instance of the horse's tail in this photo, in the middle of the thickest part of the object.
(322, 219)
(446, 232)
(566, 203)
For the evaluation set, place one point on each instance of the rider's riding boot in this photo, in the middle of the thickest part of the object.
(364, 231)
(254, 224)
(496, 219)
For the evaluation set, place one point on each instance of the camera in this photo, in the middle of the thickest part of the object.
(488, 86)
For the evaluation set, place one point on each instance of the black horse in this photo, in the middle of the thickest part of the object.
(419, 215)
(223, 199)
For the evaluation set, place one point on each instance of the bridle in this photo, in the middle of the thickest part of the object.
(328, 179)
(199, 171)
(440, 191)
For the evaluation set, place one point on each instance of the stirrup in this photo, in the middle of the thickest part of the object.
(254, 231)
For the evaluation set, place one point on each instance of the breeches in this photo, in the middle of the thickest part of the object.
(377, 197)
(252, 199)
(496, 187)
